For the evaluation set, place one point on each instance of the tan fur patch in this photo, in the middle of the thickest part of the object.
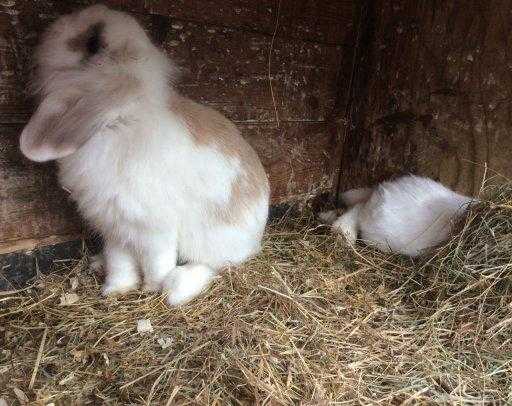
(210, 128)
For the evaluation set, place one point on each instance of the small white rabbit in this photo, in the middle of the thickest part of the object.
(162, 178)
(407, 215)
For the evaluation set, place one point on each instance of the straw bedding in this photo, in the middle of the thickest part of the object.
(309, 321)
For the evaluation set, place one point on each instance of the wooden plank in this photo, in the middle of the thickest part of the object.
(436, 95)
(223, 67)
(322, 21)
(16, 269)
(35, 243)
(297, 157)
(228, 69)
(32, 205)
(326, 21)
(12, 103)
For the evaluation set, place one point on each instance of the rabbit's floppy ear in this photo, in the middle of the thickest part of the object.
(66, 119)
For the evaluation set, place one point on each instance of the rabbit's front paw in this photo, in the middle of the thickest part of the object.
(119, 281)
(112, 288)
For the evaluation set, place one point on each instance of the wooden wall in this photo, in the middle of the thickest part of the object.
(364, 89)
(432, 93)
(223, 47)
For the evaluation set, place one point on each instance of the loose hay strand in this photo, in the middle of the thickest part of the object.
(38, 359)
(310, 320)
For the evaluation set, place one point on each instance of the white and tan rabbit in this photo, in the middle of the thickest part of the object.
(162, 178)
(407, 215)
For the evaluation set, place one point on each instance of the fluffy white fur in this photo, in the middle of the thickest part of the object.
(132, 165)
(186, 282)
(407, 215)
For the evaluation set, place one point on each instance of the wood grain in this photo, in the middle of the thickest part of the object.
(223, 67)
(322, 21)
(297, 157)
(32, 205)
(435, 93)
(228, 69)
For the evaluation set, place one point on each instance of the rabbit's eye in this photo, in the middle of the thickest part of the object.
(93, 44)
(89, 42)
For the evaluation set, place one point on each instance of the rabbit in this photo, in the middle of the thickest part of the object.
(407, 215)
(164, 180)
